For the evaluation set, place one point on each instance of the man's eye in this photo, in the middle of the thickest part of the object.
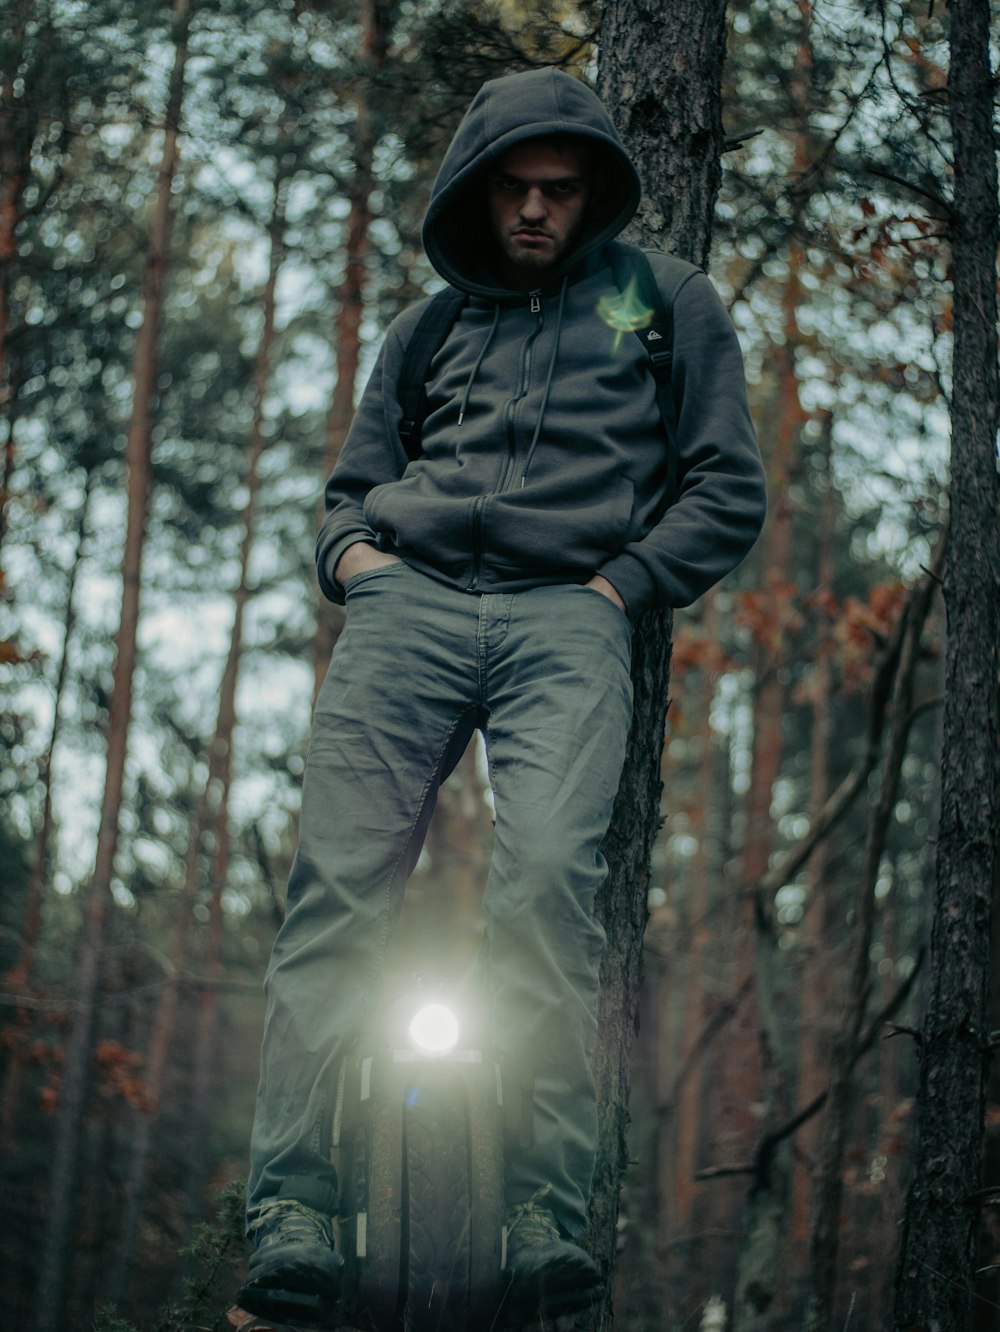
(506, 185)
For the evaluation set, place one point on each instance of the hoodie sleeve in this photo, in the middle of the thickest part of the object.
(720, 506)
(372, 454)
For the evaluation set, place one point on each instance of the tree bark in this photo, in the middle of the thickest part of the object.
(206, 1031)
(19, 977)
(17, 133)
(220, 777)
(936, 1270)
(825, 1231)
(211, 816)
(760, 1260)
(659, 74)
(689, 1098)
(73, 1096)
(377, 19)
(818, 940)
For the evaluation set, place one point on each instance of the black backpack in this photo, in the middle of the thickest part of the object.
(629, 264)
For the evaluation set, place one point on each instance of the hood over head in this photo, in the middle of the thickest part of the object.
(539, 103)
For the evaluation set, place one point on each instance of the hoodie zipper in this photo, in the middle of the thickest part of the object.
(507, 471)
(509, 464)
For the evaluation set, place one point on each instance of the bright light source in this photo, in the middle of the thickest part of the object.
(434, 1030)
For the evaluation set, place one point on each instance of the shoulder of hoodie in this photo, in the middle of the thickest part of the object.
(692, 280)
(694, 293)
(401, 328)
(694, 286)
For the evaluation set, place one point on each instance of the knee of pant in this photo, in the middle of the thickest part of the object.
(546, 903)
(549, 873)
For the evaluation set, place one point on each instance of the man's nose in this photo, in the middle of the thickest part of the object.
(534, 205)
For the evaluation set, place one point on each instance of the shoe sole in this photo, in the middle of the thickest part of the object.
(570, 1301)
(300, 1308)
(302, 1292)
(560, 1290)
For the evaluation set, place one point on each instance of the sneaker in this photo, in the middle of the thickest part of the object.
(294, 1273)
(547, 1273)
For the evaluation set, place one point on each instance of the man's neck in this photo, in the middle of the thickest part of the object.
(523, 279)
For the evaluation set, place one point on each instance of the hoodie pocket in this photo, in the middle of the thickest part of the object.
(558, 532)
(419, 516)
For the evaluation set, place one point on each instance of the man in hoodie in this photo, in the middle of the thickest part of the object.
(492, 582)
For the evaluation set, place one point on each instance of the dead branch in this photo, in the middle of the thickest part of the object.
(768, 1143)
(838, 804)
(715, 1024)
(823, 1242)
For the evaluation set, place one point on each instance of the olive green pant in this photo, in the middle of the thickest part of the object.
(419, 665)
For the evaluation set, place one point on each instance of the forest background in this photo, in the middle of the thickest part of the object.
(208, 214)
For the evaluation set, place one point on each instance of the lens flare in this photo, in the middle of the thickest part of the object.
(434, 1030)
(625, 313)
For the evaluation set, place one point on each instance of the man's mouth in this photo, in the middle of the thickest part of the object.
(530, 234)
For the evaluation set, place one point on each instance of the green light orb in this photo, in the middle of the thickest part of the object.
(624, 313)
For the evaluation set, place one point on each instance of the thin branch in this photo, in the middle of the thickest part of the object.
(738, 140)
(922, 191)
(838, 804)
(771, 1140)
(708, 1033)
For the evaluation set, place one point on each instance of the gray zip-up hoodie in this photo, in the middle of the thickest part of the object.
(544, 454)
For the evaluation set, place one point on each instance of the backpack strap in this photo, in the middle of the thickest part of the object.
(630, 264)
(425, 341)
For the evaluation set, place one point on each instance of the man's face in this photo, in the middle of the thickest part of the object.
(536, 195)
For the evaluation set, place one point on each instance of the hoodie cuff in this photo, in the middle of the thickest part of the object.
(327, 563)
(633, 583)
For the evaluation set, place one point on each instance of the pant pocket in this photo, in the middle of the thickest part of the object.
(366, 575)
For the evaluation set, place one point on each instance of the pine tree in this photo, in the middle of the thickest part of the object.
(936, 1270)
(65, 1164)
(659, 75)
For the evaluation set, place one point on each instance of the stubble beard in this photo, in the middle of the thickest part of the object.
(530, 260)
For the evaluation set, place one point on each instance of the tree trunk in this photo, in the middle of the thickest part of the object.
(220, 775)
(659, 74)
(689, 1099)
(818, 948)
(989, 1281)
(824, 1235)
(377, 18)
(20, 974)
(206, 1030)
(210, 818)
(762, 1261)
(73, 1096)
(15, 143)
(936, 1270)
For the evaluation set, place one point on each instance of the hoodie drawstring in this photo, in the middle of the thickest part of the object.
(488, 342)
(548, 382)
(479, 360)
